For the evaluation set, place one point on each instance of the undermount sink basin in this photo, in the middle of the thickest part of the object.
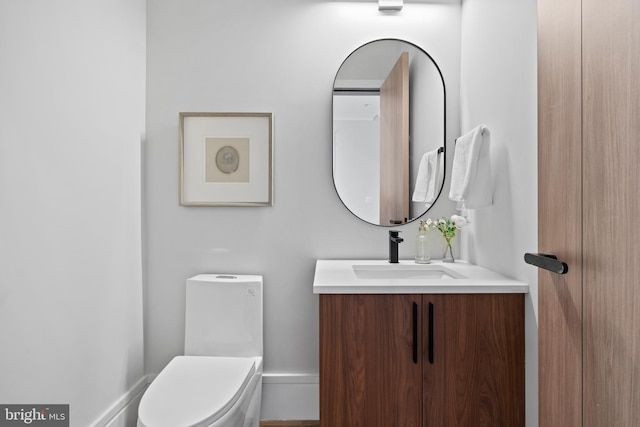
(398, 271)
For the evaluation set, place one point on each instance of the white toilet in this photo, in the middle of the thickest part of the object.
(218, 382)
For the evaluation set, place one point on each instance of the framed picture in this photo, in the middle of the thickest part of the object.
(226, 159)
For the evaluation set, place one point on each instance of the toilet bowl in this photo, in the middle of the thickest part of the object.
(203, 391)
(218, 382)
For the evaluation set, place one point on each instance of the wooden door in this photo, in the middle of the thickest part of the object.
(473, 360)
(589, 122)
(611, 203)
(560, 212)
(394, 144)
(368, 376)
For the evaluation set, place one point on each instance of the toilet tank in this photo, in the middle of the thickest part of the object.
(223, 316)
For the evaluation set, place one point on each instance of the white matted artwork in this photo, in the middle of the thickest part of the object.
(226, 159)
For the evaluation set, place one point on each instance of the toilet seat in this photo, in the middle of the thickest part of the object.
(194, 391)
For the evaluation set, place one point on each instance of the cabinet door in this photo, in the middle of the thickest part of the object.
(368, 376)
(473, 360)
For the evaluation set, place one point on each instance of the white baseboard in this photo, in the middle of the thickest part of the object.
(124, 412)
(285, 396)
(290, 396)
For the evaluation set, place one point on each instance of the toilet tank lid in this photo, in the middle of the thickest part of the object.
(192, 390)
(226, 278)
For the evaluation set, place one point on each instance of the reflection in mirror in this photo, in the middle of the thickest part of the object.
(388, 132)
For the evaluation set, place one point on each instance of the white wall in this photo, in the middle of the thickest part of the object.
(356, 166)
(279, 56)
(499, 89)
(72, 76)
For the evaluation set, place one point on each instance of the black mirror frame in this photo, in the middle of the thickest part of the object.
(444, 142)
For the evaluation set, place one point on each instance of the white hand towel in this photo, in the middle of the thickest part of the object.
(427, 174)
(435, 180)
(471, 171)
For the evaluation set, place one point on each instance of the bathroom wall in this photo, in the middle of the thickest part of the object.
(279, 56)
(353, 145)
(72, 78)
(499, 89)
(72, 81)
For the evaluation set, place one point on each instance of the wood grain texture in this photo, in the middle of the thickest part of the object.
(367, 374)
(560, 211)
(394, 144)
(611, 179)
(480, 349)
(434, 374)
(368, 377)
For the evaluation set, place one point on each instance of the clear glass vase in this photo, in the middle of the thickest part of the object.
(422, 248)
(447, 255)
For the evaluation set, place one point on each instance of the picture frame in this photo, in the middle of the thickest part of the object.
(226, 159)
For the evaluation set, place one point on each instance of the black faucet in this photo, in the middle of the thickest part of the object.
(394, 241)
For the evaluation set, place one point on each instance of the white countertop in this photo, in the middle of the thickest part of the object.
(339, 277)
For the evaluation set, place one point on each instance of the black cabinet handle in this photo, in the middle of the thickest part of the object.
(547, 261)
(415, 332)
(431, 333)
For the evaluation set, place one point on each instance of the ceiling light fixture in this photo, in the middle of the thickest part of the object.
(390, 4)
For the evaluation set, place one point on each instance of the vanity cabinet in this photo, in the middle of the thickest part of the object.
(367, 374)
(445, 360)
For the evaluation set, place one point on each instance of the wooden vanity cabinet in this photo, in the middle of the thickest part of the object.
(454, 360)
(368, 377)
(475, 375)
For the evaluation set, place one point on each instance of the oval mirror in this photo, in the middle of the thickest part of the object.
(388, 132)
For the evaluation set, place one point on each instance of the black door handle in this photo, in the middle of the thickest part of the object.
(547, 261)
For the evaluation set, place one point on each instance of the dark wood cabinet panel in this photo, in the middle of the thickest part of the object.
(434, 361)
(368, 377)
(469, 370)
(477, 375)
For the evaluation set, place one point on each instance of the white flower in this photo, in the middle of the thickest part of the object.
(459, 221)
